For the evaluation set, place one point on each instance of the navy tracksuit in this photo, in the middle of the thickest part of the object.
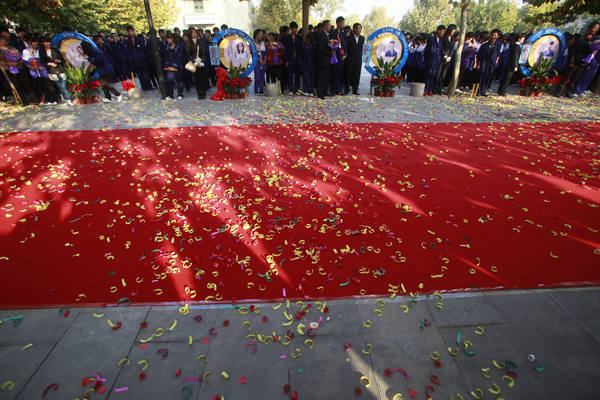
(433, 60)
(488, 55)
(138, 60)
(292, 56)
(309, 67)
(175, 57)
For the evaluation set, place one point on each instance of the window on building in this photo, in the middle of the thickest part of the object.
(198, 6)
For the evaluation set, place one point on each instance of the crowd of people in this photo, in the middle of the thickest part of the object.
(328, 62)
(491, 56)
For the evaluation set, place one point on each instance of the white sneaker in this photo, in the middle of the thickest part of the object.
(119, 98)
(105, 100)
(53, 103)
(69, 102)
(179, 97)
(168, 98)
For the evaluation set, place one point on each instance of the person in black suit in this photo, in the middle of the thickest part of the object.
(446, 56)
(512, 64)
(354, 60)
(323, 59)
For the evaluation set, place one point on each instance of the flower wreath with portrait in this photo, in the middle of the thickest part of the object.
(542, 79)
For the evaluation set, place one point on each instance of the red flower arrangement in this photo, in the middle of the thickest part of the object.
(236, 85)
(89, 85)
(539, 84)
(386, 84)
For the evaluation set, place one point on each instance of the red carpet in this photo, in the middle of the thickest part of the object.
(271, 212)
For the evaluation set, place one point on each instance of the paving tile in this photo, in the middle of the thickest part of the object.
(19, 365)
(264, 371)
(89, 346)
(37, 326)
(567, 350)
(582, 304)
(330, 372)
(161, 381)
(528, 307)
(457, 311)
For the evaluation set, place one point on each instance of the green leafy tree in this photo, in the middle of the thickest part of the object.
(271, 14)
(426, 15)
(564, 11)
(326, 9)
(88, 16)
(375, 19)
(492, 14)
(528, 14)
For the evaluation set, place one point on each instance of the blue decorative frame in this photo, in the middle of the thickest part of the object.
(56, 40)
(368, 47)
(232, 31)
(525, 68)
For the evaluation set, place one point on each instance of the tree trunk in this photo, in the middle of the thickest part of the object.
(461, 42)
(305, 8)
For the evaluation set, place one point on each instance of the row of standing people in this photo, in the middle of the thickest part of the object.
(309, 66)
(491, 56)
(35, 69)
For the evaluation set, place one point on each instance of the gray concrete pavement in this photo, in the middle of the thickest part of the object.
(150, 111)
(561, 327)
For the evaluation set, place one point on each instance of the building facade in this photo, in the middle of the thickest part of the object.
(209, 13)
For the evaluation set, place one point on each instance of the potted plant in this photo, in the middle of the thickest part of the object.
(387, 79)
(84, 90)
(234, 86)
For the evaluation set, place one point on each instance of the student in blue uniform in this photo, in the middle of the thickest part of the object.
(173, 64)
(106, 50)
(337, 70)
(488, 57)
(433, 59)
(121, 58)
(103, 68)
(308, 64)
(511, 65)
(137, 58)
(293, 46)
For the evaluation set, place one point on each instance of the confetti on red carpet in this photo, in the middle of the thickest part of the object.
(296, 211)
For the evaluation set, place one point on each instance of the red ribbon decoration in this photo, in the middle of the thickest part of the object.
(221, 77)
(427, 389)
(53, 386)
(357, 391)
(198, 318)
(435, 380)
(163, 352)
(117, 326)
